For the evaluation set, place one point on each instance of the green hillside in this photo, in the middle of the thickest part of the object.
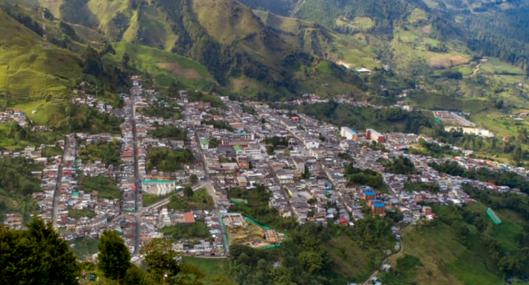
(165, 68)
(240, 49)
(31, 68)
(464, 247)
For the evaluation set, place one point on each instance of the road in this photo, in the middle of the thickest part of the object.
(137, 178)
(211, 191)
(58, 182)
(376, 272)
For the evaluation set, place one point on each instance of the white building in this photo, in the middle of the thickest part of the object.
(348, 133)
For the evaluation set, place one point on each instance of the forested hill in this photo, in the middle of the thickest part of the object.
(491, 28)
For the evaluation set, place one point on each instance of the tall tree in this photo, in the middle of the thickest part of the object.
(160, 260)
(114, 256)
(36, 256)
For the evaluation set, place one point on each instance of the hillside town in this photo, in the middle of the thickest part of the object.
(301, 162)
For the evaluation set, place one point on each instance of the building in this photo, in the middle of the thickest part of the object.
(189, 218)
(378, 208)
(375, 136)
(158, 187)
(493, 217)
(348, 133)
(368, 193)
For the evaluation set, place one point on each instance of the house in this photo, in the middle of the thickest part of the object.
(349, 133)
(375, 136)
(189, 218)
(378, 207)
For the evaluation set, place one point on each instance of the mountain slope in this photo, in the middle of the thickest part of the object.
(238, 48)
(30, 67)
(488, 28)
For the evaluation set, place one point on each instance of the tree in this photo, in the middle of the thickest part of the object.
(36, 256)
(135, 276)
(125, 60)
(188, 191)
(160, 259)
(193, 178)
(189, 275)
(114, 256)
(306, 172)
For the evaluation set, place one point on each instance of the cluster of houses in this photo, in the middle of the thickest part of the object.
(17, 117)
(301, 163)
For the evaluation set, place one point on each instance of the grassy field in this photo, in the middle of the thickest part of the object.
(447, 260)
(84, 247)
(149, 199)
(350, 260)
(200, 200)
(32, 70)
(166, 68)
(216, 270)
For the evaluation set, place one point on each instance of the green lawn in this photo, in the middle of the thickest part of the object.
(216, 270)
(447, 259)
(186, 231)
(165, 67)
(149, 199)
(84, 247)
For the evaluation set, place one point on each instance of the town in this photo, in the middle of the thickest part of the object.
(179, 177)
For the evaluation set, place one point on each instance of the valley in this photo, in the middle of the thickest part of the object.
(265, 142)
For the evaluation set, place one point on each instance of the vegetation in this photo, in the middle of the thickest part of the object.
(464, 246)
(365, 177)
(84, 247)
(169, 132)
(421, 186)
(206, 97)
(404, 273)
(385, 120)
(433, 149)
(107, 153)
(216, 270)
(166, 68)
(166, 109)
(149, 199)
(275, 142)
(16, 186)
(114, 257)
(513, 149)
(15, 137)
(81, 118)
(163, 266)
(186, 231)
(213, 142)
(315, 255)
(199, 201)
(52, 151)
(167, 160)
(399, 165)
(105, 187)
(161, 260)
(218, 125)
(37, 253)
(498, 177)
(81, 213)
(257, 206)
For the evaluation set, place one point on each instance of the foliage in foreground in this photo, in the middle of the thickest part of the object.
(114, 256)
(36, 256)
